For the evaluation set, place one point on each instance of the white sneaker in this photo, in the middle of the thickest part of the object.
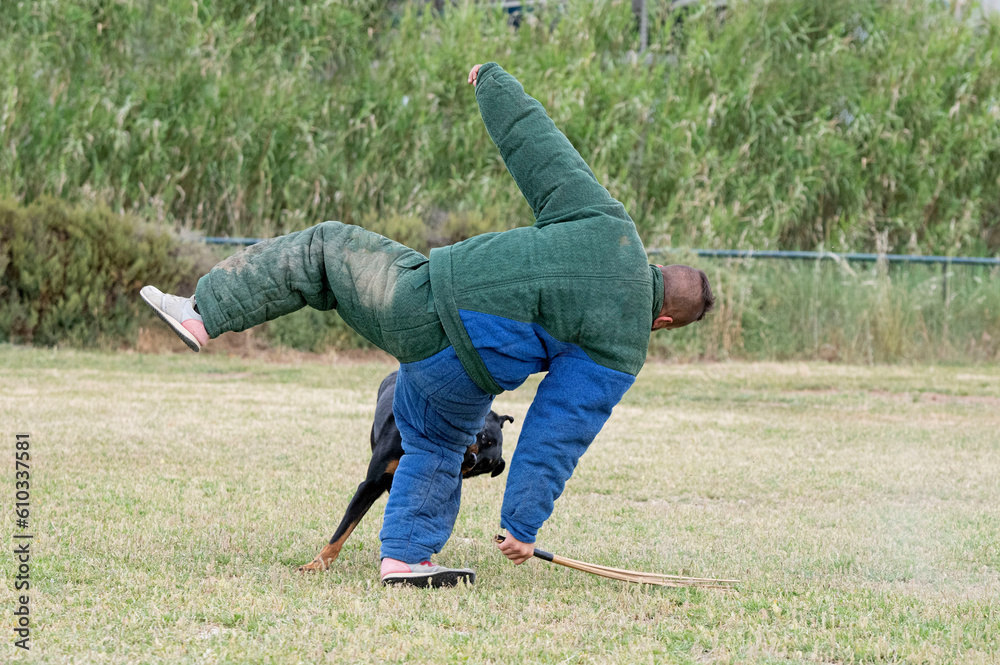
(179, 314)
(424, 574)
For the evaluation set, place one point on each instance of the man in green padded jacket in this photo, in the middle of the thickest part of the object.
(572, 296)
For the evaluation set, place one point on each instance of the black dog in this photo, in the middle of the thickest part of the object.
(484, 456)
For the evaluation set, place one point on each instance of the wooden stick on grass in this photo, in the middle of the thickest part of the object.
(631, 575)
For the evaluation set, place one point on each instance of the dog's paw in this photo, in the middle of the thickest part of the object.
(316, 566)
(326, 556)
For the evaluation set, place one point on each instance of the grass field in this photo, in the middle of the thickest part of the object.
(173, 496)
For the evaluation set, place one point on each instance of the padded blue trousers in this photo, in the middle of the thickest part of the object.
(439, 410)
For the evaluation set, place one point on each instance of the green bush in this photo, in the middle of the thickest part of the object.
(311, 330)
(71, 274)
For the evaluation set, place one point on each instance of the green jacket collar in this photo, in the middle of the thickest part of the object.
(657, 290)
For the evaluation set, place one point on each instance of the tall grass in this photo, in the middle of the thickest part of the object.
(778, 123)
(859, 313)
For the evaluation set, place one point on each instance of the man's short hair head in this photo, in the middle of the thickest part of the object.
(687, 295)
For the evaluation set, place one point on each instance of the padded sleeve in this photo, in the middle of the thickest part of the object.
(572, 404)
(552, 176)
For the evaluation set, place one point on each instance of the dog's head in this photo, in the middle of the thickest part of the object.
(486, 454)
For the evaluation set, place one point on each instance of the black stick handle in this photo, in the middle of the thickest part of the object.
(542, 554)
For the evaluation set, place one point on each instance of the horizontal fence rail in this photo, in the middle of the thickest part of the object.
(835, 256)
(225, 240)
(754, 254)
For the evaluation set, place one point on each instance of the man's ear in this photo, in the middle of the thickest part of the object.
(662, 322)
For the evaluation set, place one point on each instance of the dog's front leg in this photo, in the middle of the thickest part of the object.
(368, 492)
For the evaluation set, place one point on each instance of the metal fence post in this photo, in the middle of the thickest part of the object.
(643, 26)
(944, 281)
